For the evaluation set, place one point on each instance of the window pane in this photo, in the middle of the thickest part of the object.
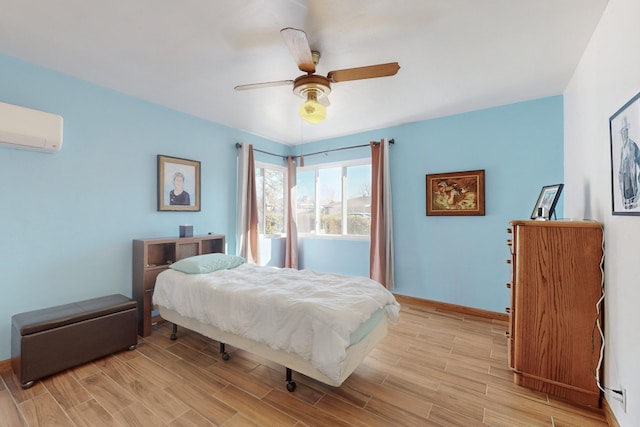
(334, 200)
(359, 199)
(306, 203)
(260, 198)
(273, 201)
(330, 200)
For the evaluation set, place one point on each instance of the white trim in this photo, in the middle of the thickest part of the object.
(285, 200)
(343, 165)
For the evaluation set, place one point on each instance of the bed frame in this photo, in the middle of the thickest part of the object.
(291, 361)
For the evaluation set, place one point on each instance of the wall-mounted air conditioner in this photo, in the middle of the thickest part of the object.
(26, 129)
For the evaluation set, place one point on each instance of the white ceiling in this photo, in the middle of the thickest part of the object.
(455, 55)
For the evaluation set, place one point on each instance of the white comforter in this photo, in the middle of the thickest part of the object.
(308, 313)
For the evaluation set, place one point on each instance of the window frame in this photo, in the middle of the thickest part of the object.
(344, 165)
(285, 194)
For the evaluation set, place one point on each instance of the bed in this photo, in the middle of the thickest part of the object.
(321, 325)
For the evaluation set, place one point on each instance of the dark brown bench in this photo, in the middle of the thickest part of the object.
(47, 341)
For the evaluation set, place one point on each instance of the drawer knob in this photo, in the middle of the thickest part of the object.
(508, 261)
(508, 310)
(508, 285)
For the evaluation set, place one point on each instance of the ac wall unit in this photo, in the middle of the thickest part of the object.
(26, 129)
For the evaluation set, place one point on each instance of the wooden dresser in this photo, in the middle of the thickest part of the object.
(152, 256)
(556, 284)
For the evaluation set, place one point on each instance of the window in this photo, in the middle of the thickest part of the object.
(306, 203)
(271, 183)
(359, 199)
(335, 199)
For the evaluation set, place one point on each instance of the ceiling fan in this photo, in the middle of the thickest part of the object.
(313, 87)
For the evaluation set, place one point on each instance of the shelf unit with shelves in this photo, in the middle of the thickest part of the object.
(153, 256)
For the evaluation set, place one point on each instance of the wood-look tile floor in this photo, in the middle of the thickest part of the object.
(435, 368)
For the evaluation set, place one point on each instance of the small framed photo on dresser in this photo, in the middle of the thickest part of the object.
(547, 200)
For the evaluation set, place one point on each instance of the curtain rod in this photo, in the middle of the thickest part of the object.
(238, 145)
(391, 141)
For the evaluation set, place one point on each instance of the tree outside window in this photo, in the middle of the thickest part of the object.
(271, 197)
(335, 199)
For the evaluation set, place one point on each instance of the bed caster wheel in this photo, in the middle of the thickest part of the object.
(132, 347)
(174, 332)
(291, 386)
(225, 355)
(27, 385)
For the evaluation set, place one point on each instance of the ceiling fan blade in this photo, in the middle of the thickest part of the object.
(296, 41)
(266, 84)
(360, 73)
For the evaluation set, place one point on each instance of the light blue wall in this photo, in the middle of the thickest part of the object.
(67, 219)
(340, 256)
(462, 260)
(457, 260)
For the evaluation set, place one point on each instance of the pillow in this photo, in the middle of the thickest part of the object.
(207, 263)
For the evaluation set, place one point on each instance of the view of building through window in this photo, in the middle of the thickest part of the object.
(331, 199)
(306, 203)
(335, 199)
(359, 199)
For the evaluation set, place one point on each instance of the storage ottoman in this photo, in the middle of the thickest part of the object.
(47, 341)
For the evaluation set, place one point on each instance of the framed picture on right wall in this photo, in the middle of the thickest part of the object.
(624, 134)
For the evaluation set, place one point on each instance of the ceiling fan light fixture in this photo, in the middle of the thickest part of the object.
(312, 87)
(311, 110)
